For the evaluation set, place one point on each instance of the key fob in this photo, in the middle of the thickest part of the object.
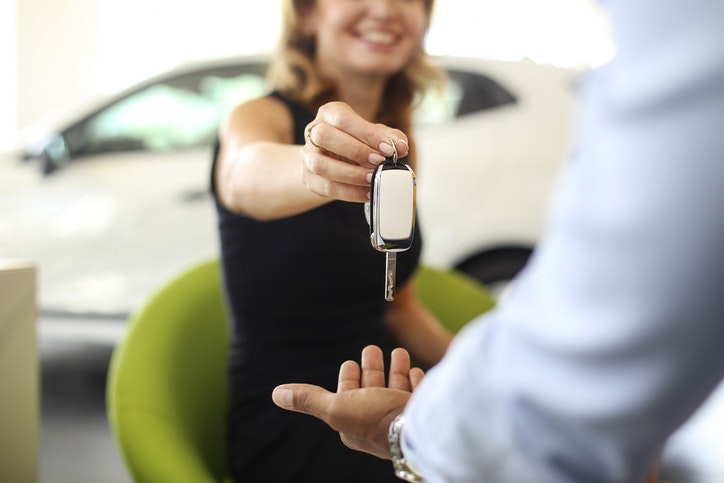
(392, 206)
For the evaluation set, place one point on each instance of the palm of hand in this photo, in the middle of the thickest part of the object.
(364, 406)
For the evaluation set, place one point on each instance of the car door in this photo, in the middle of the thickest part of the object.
(119, 199)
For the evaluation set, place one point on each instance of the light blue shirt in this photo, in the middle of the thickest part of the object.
(614, 333)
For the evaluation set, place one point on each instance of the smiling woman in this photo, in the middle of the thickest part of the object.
(291, 173)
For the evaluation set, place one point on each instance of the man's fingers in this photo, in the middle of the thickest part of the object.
(349, 376)
(373, 367)
(302, 398)
(400, 370)
(416, 377)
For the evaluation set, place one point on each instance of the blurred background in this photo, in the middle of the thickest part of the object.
(57, 54)
(61, 60)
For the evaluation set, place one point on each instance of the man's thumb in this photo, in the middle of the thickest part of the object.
(302, 398)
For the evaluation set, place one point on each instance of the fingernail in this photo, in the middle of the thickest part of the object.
(368, 178)
(386, 149)
(375, 158)
(402, 141)
(284, 397)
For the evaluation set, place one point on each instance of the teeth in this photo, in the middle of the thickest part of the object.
(378, 37)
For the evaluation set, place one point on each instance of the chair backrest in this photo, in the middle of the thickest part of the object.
(167, 385)
(454, 297)
(167, 388)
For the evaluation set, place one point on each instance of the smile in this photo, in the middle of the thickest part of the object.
(384, 38)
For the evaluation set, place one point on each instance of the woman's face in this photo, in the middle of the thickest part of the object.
(377, 37)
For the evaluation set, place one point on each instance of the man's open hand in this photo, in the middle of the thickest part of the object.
(363, 407)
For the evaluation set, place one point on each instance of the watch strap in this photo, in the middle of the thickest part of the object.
(403, 469)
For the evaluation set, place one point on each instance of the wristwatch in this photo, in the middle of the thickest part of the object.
(403, 469)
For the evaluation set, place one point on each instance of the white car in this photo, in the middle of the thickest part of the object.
(485, 176)
(115, 200)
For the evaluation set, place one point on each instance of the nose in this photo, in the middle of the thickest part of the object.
(382, 8)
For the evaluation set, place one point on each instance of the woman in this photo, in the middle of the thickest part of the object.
(300, 273)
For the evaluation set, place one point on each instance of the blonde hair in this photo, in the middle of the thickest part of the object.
(292, 72)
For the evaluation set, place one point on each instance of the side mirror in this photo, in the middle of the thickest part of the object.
(55, 155)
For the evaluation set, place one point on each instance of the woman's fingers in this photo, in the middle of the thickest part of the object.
(342, 150)
(330, 166)
(331, 176)
(340, 182)
(343, 145)
(339, 129)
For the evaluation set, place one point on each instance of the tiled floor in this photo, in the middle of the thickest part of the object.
(77, 446)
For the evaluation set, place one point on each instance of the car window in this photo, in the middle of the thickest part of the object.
(184, 111)
(465, 93)
(172, 114)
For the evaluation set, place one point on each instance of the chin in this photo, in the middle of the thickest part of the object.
(382, 68)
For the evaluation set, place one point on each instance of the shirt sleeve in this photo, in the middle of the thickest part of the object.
(611, 336)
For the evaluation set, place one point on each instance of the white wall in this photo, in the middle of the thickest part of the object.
(73, 51)
(561, 32)
(57, 54)
(8, 67)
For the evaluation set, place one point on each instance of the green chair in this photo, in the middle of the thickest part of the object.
(167, 388)
(454, 297)
(167, 384)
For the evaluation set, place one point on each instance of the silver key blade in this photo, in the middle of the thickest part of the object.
(390, 275)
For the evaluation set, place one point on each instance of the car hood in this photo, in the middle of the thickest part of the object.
(87, 234)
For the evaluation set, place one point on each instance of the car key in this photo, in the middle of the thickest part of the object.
(391, 213)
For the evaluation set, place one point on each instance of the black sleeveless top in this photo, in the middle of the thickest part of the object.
(305, 294)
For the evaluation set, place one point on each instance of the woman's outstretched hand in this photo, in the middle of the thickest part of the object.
(363, 407)
(342, 150)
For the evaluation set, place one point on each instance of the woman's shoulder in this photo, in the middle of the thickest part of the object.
(267, 111)
(269, 105)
